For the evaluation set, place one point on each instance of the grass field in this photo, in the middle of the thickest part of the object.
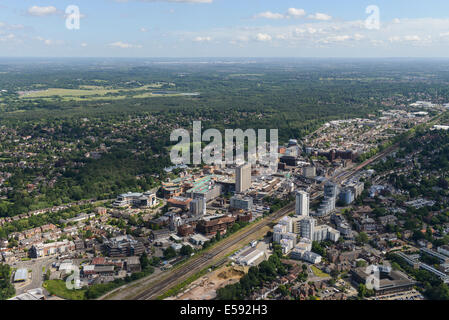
(58, 288)
(318, 272)
(91, 92)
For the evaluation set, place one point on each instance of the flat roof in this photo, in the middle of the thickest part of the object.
(21, 275)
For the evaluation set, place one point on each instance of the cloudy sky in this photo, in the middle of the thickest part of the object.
(225, 28)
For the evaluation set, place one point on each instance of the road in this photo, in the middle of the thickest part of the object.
(37, 276)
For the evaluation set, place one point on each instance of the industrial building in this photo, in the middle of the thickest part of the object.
(250, 257)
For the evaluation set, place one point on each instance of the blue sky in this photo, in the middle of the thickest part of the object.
(225, 28)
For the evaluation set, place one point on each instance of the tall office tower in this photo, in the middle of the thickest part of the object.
(198, 206)
(302, 203)
(243, 178)
(330, 190)
(308, 227)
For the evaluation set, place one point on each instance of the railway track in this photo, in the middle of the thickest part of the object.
(206, 259)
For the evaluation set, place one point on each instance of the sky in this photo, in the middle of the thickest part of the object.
(224, 28)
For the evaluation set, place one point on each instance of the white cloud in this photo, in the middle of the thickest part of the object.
(358, 36)
(263, 37)
(308, 34)
(7, 37)
(49, 42)
(291, 13)
(269, 15)
(202, 39)
(296, 13)
(412, 38)
(143, 29)
(42, 11)
(124, 45)
(394, 39)
(320, 16)
(83, 44)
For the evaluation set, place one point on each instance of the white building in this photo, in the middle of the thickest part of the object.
(311, 257)
(286, 245)
(280, 228)
(307, 256)
(302, 203)
(324, 232)
(250, 257)
(147, 199)
(243, 178)
(288, 222)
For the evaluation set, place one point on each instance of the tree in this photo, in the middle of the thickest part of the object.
(144, 261)
(361, 263)
(186, 250)
(47, 275)
(362, 238)
(318, 248)
(6, 288)
(169, 253)
(282, 289)
(361, 290)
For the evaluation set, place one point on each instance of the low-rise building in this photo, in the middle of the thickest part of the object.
(123, 246)
(48, 249)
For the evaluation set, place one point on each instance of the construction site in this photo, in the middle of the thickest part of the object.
(205, 288)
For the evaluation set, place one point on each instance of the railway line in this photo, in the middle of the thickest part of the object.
(206, 259)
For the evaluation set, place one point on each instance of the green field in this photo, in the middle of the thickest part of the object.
(91, 92)
(318, 272)
(58, 288)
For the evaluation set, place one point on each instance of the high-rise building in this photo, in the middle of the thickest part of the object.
(330, 190)
(302, 203)
(243, 177)
(198, 206)
(330, 198)
(347, 196)
(308, 227)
